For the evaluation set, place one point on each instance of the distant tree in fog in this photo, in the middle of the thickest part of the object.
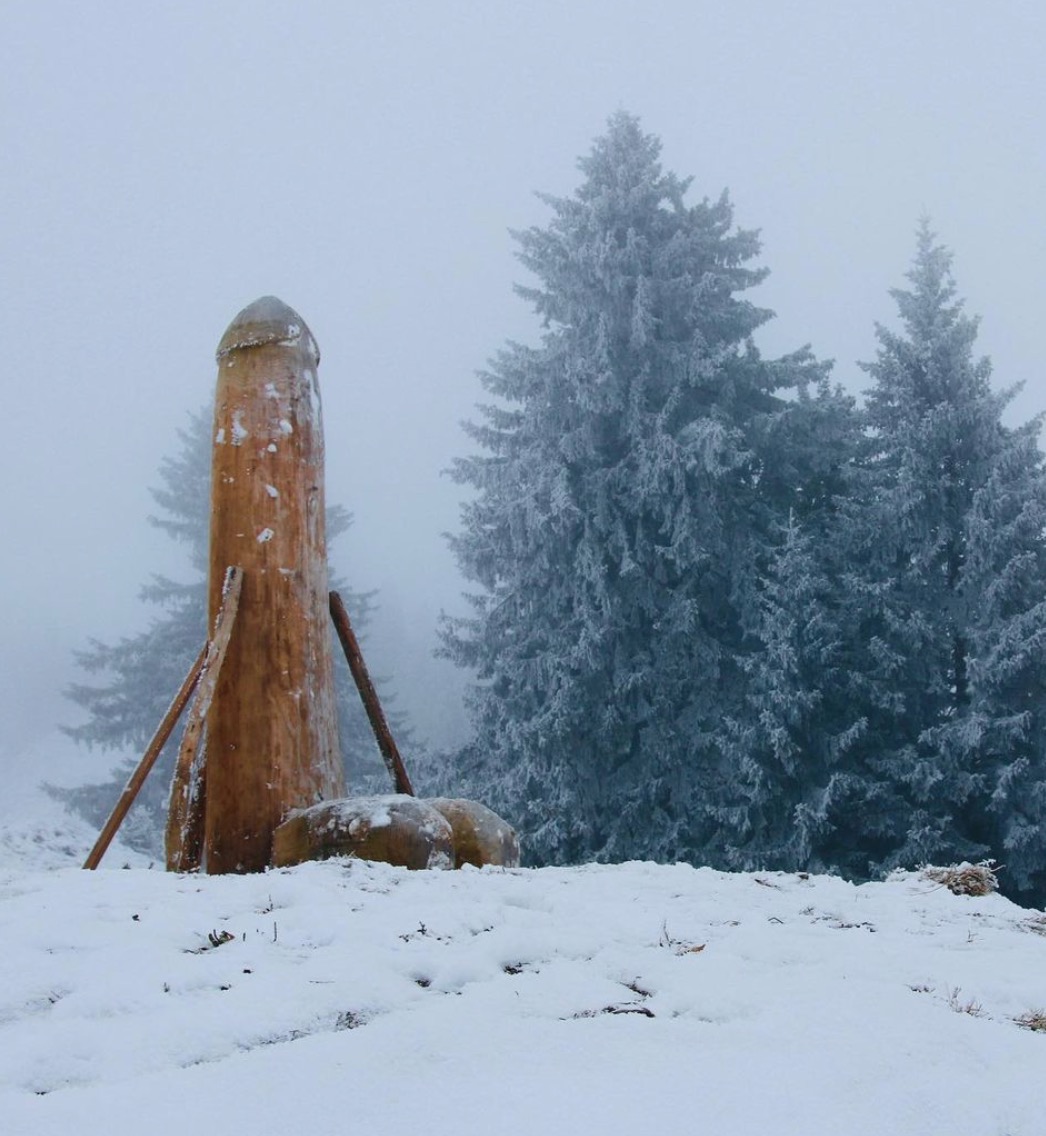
(137, 676)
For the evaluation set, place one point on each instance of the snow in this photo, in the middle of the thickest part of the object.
(350, 996)
(239, 431)
(268, 320)
(379, 816)
(312, 384)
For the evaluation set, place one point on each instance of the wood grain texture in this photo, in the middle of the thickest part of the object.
(272, 736)
(394, 829)
(480, 836)
(185, 814)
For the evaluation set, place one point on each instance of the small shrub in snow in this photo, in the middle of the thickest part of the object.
(970, 1006)
(1036, 924)
(965, 879)
(678, 945)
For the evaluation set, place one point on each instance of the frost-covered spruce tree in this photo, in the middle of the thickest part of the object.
(790, 739)
(778, 739)
(952, 522)
(632, 467)
(797, 742)
(1000, 739)
(141, 673)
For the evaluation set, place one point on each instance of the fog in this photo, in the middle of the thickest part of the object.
(164, 165)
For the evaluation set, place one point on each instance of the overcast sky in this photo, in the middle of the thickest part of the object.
(166, 164)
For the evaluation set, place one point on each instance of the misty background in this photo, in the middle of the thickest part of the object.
(165, 165)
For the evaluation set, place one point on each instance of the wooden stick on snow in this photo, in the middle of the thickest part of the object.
(137, 778)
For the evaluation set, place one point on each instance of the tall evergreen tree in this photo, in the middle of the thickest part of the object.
(142, 672)
(1000, 740)
(799, 740)
(950, 532)
(635, 465)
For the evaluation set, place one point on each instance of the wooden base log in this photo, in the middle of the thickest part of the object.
(395, 829)
(480, 835)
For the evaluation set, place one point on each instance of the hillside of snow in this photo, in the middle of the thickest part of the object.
(348, 996)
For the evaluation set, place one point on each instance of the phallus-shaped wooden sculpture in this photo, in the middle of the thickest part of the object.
(259, 780)
(271, 739)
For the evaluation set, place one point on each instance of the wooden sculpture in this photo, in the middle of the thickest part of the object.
(258, 780)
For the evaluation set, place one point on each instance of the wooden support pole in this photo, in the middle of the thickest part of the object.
(184, 837)
(152, 752)
(371, 702)
(272, 734)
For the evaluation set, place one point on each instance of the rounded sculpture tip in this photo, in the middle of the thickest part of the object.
(268, 320)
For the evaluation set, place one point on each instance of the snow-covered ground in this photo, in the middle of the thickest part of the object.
(36, 831)
(352, 997)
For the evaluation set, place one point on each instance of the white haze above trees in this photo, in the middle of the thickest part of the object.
(140, 216)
